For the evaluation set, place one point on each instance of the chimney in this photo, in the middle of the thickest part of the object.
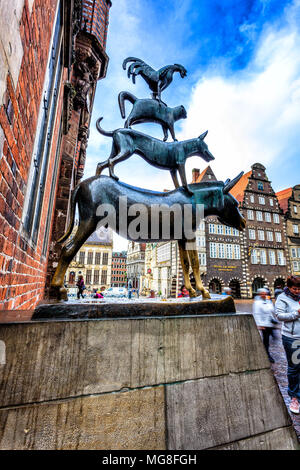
(195, 173)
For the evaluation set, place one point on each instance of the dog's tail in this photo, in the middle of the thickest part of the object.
(72, 208)
(125, 95)
(102, 131)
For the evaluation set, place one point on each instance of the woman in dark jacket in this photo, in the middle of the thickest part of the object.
(81, 287)
(287, 310)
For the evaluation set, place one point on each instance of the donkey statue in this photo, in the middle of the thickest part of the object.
(98, 196)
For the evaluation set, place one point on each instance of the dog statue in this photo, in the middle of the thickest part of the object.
(149, 110)
(164, 155)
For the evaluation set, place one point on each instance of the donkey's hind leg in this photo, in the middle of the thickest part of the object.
(184, 259)
(194, 261)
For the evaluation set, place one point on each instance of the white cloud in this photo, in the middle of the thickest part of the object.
(254, 115)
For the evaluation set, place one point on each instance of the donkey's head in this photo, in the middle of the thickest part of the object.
(203, 148)
(230, 214)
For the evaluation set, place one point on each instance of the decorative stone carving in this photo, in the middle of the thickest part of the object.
(69, 93)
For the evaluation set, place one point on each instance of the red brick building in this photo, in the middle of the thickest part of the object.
(119, 269)
(52, 55)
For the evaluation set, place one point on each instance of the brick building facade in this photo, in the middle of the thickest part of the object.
(49, 65)
(224, 250)
(119, 269)
(259, 256)
(289, 201)
(265, 257)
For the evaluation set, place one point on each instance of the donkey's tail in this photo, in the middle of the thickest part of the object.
(125, 95)
(72, 219)
(102, 131)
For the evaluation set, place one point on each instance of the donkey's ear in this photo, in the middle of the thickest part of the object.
(229, 185)
(202, 136)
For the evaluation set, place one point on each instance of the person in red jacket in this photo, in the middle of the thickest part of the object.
(183, 292)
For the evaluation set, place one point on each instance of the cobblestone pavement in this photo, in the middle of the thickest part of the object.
(279, 368)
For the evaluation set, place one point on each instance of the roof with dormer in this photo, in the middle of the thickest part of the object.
(239, 189)
(283, 198)
(204, 175)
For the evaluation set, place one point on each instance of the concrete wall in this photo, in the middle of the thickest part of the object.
(156, 383)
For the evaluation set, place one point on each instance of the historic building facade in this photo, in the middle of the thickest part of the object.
(51, 56)
(246, 261)
(118, 269)
(289, 200)
(93, 262)
(224, 250)
(265, 255)
(136, 264)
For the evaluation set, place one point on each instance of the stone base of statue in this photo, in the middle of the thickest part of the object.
(180, 382)
(119, 308)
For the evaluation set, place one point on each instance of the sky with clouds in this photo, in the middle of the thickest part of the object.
(243, 84)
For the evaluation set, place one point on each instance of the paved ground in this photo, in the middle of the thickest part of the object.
(280, 366)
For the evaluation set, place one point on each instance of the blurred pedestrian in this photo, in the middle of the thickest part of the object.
(263, 310)
(152, 294)
(287, 310)
(278, 289)
(80, 285)
(227, 291)
(183, 292)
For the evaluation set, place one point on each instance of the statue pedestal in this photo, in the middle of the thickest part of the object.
(120, 308)
(173, 382)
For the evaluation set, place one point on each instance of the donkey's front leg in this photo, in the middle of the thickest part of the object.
(120, 157)
(194, 260)
(184, 259)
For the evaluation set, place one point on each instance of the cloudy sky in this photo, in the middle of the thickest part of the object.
(243, 84)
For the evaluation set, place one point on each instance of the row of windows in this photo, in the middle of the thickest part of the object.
(118, 278)
(259, 216)
(118, 272)
(295, 252)
(261, 235)
(222, 230)
(224, 250)
(90, 276)
(90, 258)
(260, 257)
(261, 200)
(95, 277)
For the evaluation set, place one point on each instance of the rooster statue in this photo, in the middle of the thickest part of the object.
(158, 80)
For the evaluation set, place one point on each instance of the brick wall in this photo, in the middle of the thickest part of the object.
(95, 18)
(22, 266)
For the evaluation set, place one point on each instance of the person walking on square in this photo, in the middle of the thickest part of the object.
(81, 287)
(287, 311)
(183, 292)
(263, 310)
